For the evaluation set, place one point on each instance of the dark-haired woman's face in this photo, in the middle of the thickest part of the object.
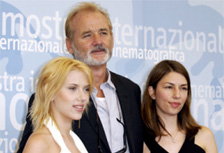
(170, 94)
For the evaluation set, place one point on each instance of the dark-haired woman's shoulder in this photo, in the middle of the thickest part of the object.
(146, 149)
(206, 140)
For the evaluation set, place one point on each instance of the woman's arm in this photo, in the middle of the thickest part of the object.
(146, 149)
(205, 139)
(36, 144)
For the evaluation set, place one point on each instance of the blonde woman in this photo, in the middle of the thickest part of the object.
(62, 95)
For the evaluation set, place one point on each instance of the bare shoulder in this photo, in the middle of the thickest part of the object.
(38, 142)
(146, 149)
(204, 133)
(206, 140)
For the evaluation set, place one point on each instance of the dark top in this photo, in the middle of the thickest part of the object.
(92, 134)
(188, 147)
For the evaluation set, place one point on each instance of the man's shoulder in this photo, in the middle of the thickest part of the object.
(117, 78)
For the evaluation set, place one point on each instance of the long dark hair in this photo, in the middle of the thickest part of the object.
(153, 123)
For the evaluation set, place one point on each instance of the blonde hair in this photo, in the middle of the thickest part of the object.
(84, 6)
(50, 80)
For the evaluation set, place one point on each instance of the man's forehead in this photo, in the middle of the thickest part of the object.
(85, 21)
(89, 16)
(84, 13)
(92, 28)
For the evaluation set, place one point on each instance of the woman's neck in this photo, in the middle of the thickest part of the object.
(170, 123)
(64, 126)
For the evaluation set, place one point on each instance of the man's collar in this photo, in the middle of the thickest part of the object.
(109, 81)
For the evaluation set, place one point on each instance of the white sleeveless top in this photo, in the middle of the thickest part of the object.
(58, 138)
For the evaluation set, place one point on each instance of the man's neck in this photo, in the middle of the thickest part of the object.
(100, 76)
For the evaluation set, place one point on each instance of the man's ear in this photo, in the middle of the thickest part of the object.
(151, 92)
(69, 46)
(112, 35)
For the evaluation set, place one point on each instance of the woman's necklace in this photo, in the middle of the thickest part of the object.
(173, 137)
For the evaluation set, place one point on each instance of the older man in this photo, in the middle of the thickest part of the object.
(113, 121)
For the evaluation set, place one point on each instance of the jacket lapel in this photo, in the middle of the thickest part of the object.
(93, 122)
(125, 101)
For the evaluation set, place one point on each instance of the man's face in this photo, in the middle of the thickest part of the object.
(92, 39)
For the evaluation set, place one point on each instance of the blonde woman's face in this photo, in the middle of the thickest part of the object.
(170, 94)
(72, 99)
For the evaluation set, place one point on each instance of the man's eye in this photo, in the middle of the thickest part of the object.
(86, 36)
(103, 33)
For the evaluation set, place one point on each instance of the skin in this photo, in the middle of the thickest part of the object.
(67, 105)
(170, 95)
(90, 30)
(71, 100)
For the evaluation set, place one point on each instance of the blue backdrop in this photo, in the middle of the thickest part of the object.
(145, 32)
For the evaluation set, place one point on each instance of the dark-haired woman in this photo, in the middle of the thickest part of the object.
(169, 125)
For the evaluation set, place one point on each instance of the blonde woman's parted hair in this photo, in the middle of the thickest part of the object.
(50, 80)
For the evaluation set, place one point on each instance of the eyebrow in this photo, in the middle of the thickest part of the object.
(103, 29)
(174, 84)
(89, 31)
(88, 85)
(73, 84)
(86, 32)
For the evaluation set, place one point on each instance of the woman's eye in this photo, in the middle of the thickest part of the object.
(72, 88)
(168, 87)
(185, 88)
(87, 89)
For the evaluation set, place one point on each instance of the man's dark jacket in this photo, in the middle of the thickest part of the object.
(129, 96)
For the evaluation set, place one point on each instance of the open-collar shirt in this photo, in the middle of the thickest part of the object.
(108, 109)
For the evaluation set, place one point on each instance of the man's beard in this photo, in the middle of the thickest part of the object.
(87, 59)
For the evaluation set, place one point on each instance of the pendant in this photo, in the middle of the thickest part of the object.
(174, 141)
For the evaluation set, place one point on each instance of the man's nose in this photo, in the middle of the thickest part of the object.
(97, 39)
